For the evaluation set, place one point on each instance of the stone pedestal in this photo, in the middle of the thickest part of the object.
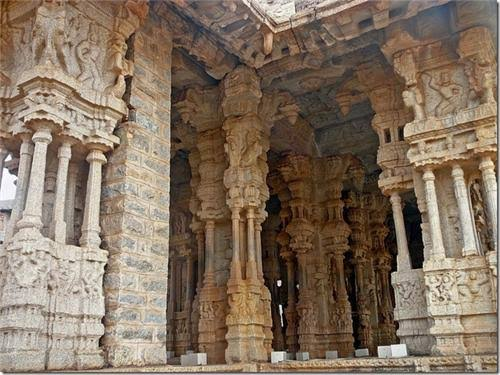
(411, 311)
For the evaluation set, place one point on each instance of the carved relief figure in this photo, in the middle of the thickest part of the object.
(413, 99)
(453, 95)
(480, 218)
(473, 285)
(87, 52)
(120, 66)
(48, 33)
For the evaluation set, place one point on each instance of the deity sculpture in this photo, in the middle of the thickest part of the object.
(413, 99)
(452, 94)
(48, 33)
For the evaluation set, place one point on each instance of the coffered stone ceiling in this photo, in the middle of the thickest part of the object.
(309, 48)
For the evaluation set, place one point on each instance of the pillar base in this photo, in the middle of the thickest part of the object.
(22, 360)
(247, 336)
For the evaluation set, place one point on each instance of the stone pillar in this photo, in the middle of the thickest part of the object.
(365, 332)
(387, 329)
(464, 213)
(171, 302)
(58, 225)
(357, 216)
(251, 265)
(189, 295)
(487, 168)
(433, 214)
(345, 340)
(209, 279)
(258, 250)
(291, 308)
(235, 261)
(32, 215)
(90, 227)
(200, 241)
(70, 204)
(23, 173)
(403, 259)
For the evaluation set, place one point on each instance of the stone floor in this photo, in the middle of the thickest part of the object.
(472, 363)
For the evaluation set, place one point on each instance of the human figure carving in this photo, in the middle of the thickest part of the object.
(412, 98)
(88, 52)
(48, 33)
(452, 94)
(119, 65)
(480, 219)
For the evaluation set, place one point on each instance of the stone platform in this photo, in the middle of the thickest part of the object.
(472, 363)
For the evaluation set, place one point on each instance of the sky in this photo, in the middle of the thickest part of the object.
(8, 189)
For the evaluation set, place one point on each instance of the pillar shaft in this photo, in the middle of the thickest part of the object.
(201, 256)
(433, 214)
(32, 215)
(23, 173)
(291, 309)
(171, 303)
(189, 296)
(209, 253)
(90, 228)
(487, 168)
(403, 259)
(464, 213)
(70, 204)
(339, 266)
(236, 262)
(58, 225)
(258, 251)
(251, 262)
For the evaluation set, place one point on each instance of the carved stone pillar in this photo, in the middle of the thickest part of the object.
(58, 225)
(23, 173)
(487, 168)
(297, 172)
(90, 227)
(209, 279)
(433, 214)
(403, 259)
(464, 211)
(361, 259)
(170, 341)
(32, 215)
(189, 296)
(387, 329)
(251, 264)
(291, 308)
(283, 240)
(70, 204)
(200, 108)
(271, 274)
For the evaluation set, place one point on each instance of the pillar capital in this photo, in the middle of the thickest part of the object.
(457, 171)
(486, 164)
(96, 155)
(428, 174)
(42, 135)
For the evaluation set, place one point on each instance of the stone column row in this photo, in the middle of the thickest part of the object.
(30, 185)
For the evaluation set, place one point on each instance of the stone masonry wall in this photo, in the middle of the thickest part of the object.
(135, 210)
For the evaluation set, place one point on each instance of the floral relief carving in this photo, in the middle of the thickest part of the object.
(440, 287)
